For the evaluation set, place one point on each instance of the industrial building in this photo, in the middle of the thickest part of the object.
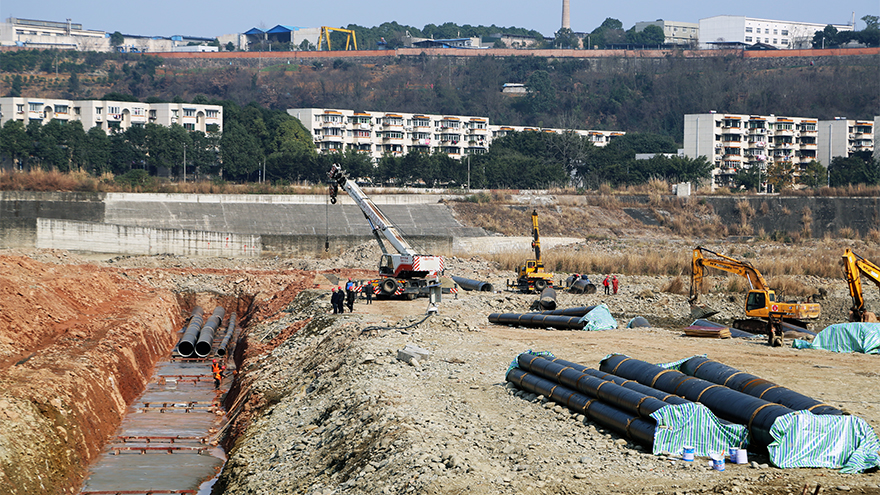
(675, 32)
(381, 133)
(733, 30)
(736, 142)
(112, 115)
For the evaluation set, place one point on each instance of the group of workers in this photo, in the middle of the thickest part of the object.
(610, 283)
(339, 299)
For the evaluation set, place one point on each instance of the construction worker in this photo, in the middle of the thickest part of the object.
(614, 283)
(217, 370)
(607, 284)
(349, 295)
(368, 289)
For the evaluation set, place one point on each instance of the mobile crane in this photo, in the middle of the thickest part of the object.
(404, 273)
(853, 266)
(531, 276)
(761, 302)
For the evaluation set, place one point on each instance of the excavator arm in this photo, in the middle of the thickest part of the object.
(536, 238)
(853, 266)
(725, 263)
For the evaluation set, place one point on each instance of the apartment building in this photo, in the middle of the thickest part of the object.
(843, 137)
(112, 115)
(676, 32)
(397, 133)
(744, 30)
(741, 142)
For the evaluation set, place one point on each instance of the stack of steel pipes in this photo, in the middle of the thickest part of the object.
(563, 319)
(622, 406)
(757, 406)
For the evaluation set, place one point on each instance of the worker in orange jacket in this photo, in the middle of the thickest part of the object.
(217, 370)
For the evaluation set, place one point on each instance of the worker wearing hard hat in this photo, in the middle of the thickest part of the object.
(217, 370)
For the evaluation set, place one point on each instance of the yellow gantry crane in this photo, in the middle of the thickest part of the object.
(351, 42)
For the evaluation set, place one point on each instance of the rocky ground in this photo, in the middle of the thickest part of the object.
(321, 405)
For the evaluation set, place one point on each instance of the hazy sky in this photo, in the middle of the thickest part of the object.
(216, 17)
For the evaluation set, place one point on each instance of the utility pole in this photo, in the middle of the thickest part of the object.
(469, 171)
(184, 163)
(830, 145)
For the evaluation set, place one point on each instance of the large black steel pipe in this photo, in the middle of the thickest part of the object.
(187, 344)
(230, 329)
(755, 386)
(469, 284)
(576, 311)
(756, 414)
(623, 398)
(548, 299)
(623, 382)
(631, 426)
(537, 320)
(582, 286)
(206, 335)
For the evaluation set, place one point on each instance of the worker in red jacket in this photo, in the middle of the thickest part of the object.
(607, 284)
(614, 283)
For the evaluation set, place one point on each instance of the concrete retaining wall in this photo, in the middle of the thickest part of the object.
(120, 239)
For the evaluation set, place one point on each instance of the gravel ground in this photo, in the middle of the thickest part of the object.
(330, 409)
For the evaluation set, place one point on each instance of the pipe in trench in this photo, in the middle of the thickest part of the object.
(537, 320)
(470, 284)
(633, 427)
(230, 329)
(187, 344)
(206, 335)
(730, 377)
(756, 414)
(548, 299)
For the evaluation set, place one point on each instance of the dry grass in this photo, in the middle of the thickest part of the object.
(852, 190)
(787, 287)
(873, 236)
(81, 181)
(676, 286)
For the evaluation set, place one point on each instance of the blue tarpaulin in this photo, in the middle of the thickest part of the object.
(599, 319)
(694, 425)
(804, 439)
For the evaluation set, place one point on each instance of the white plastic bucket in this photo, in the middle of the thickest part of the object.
(742, 456)
(717, 461)
(687, 453)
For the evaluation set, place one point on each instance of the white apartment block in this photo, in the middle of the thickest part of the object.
(112, 115)
(397, 133)
(676, 32)
(737, 142)
(750, 30)
(842, 137)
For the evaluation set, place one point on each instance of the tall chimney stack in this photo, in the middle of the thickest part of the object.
(566, 15)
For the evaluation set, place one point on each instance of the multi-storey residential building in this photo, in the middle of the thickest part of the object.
(676, 32)
(112, 115)
(381, 133)
(842, 137)
(737, 142)
(728, 29)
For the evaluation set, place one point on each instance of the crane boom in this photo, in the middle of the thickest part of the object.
(853, 266)
(536, 238)
(410, 270)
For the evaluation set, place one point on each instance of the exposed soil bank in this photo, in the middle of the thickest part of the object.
(77, 345)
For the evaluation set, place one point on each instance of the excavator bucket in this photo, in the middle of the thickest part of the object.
(702, 311)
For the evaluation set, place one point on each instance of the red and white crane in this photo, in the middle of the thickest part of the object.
(405, 272)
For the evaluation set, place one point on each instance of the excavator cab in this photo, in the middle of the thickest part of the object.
(759, 299)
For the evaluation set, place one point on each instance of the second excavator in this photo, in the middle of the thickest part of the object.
(853, 267)
(762, 306)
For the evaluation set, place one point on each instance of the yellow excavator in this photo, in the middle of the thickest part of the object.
(531, 276)
(853, 266)
(762, 306)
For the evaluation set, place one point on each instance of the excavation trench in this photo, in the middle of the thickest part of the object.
(166, 442)
(79, 345)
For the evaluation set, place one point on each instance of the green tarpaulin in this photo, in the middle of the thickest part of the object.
(804, 439)
(694, 425)
(845, 337)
